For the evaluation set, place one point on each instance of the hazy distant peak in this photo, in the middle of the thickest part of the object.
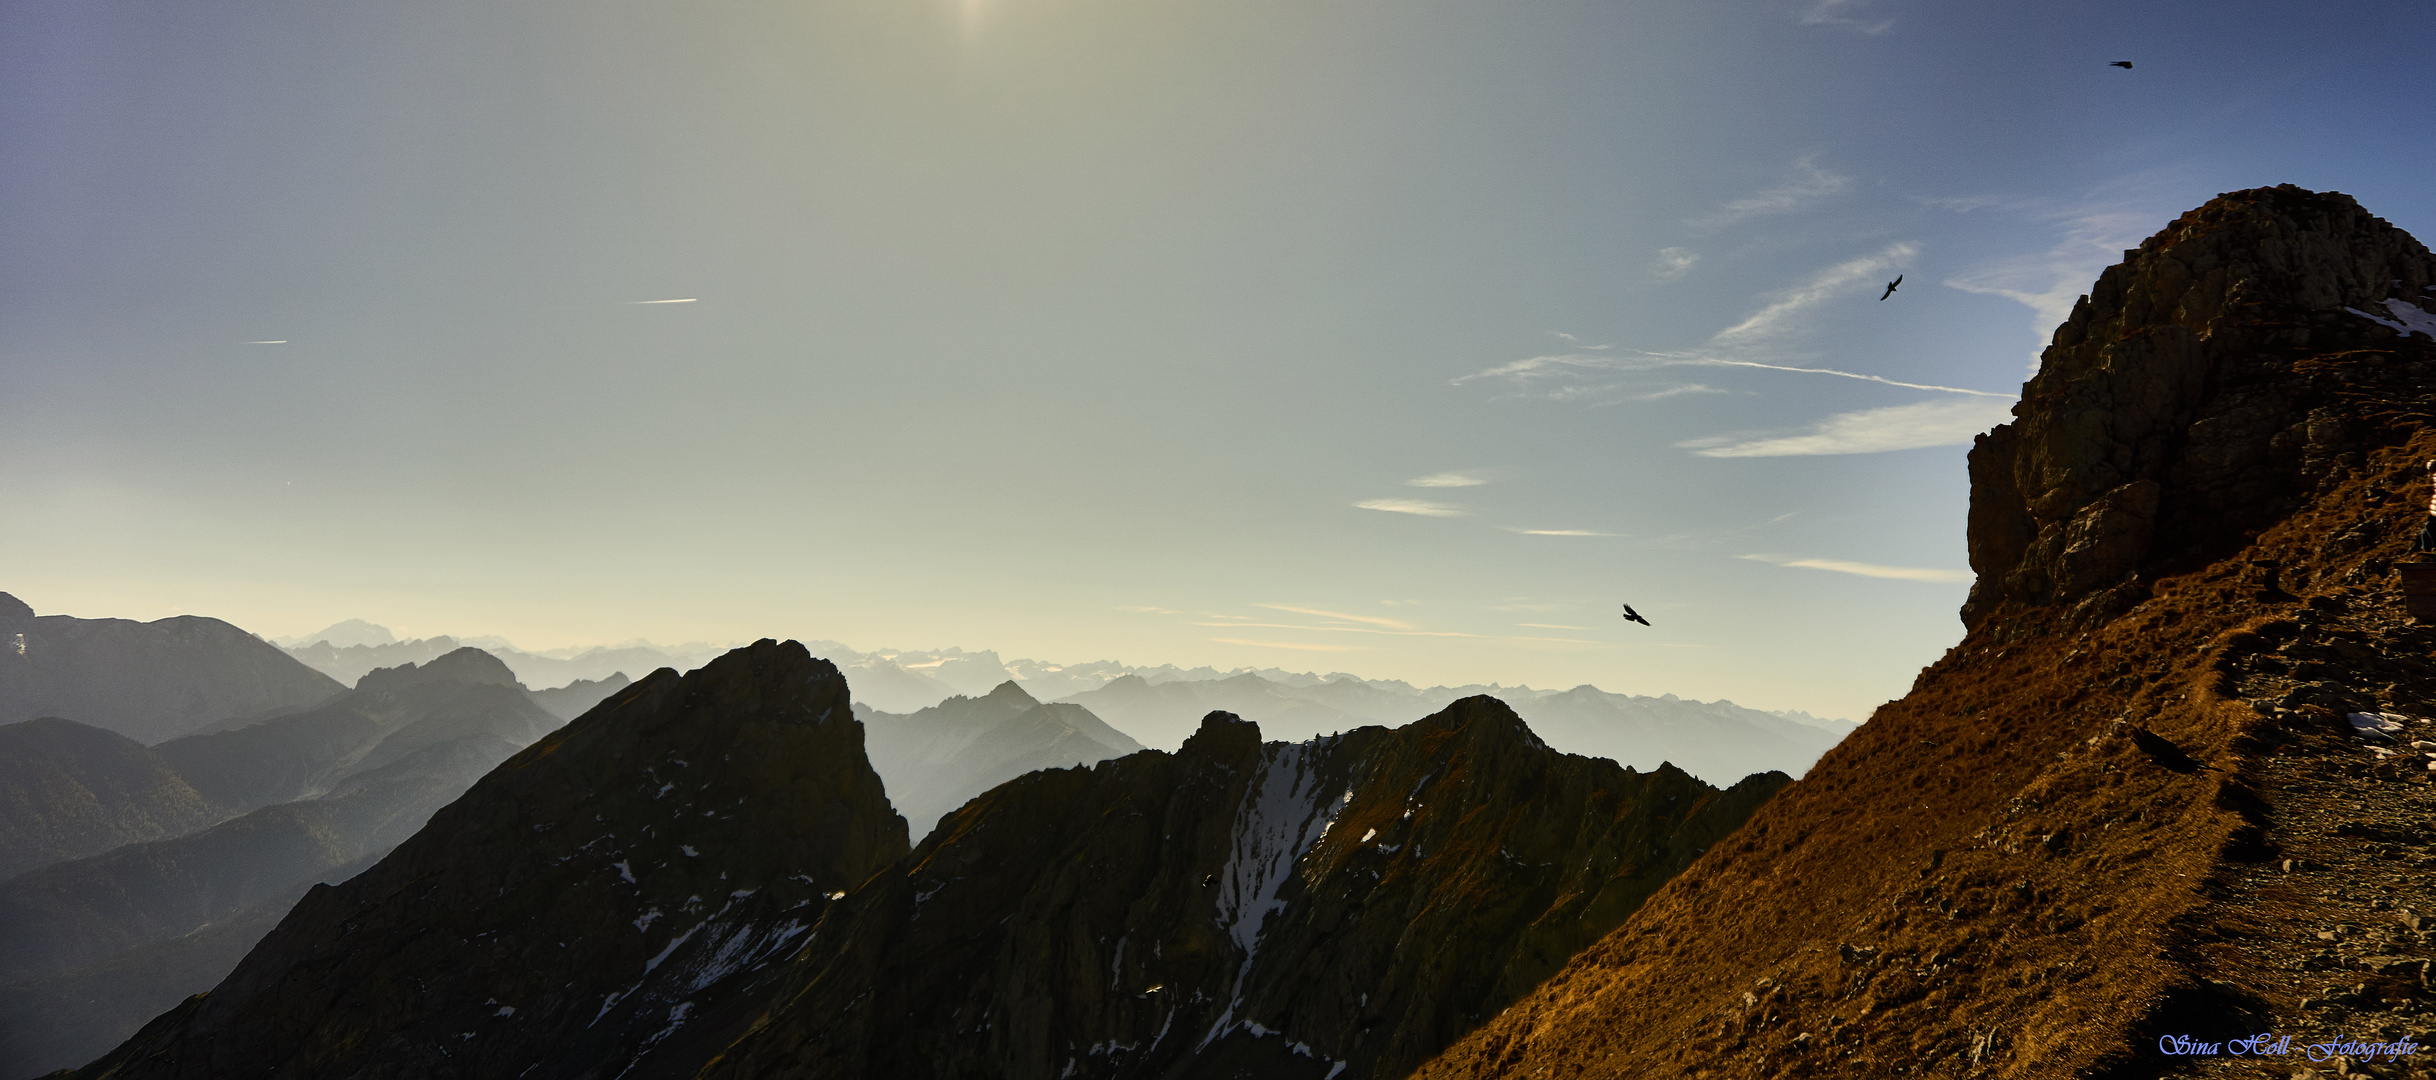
(352, 632)
(1008, 693)
(465, 665)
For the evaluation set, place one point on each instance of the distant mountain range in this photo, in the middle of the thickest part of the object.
(147, 681)
(135, 876)
(939, 758)
(1718, 741)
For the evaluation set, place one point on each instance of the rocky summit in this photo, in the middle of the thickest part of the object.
(2130, 807)
(600, 903)
(1341, 907)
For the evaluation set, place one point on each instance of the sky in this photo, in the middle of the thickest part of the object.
(1408, 339)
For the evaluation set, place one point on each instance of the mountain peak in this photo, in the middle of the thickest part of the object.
(465, 665)
(1008, 693)
(595, 899)
(2195, 396)
(14, 611)
(1223, 735)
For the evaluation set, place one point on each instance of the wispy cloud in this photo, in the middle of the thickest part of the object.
(1901, 573)
(2094, 236)
(1142, 609)
(1842, 13)
(1577, 342)
(1465, 478)
(1558, 532)
(1759, 341)
(1422, 507)
(1392, 624)
(1808, 184)
(1553, 626)
(1772, 322)
(1543, 369)
(1674, 262)
(1869, 431)
(1301, 646)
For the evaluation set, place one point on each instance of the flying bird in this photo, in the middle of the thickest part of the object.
(1635, 616)
(1890, 288)
(2124, 64)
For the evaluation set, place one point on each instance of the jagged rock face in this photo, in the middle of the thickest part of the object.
(2028, 867)
(1336, 908)
(597, 903)
(2194, 396)
(147, 681)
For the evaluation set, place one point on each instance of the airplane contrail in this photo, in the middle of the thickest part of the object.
(281, 341)
(687, 300)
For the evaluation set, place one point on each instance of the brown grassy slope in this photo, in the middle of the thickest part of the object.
(1998, 874)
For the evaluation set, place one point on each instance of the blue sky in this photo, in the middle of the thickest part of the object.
(1407, 339)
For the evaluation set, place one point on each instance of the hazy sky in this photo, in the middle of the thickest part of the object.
(1401, 338)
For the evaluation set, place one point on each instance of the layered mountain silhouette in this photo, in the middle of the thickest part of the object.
(558, 668)
(937, 759)
(1717, 741)
(2169, 782)
(147, 681)
(578, 697)
(703, 876)
(612, 896)
(1159, 707)
(225, 830)
(68, 790)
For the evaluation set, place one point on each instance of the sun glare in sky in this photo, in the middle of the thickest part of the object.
(1088, 330)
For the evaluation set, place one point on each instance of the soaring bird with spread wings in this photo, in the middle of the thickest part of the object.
(1635, 616)
(2124, 64)
(1890, 288)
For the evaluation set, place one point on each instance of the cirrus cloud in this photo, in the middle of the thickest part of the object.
(1421, 507)
(1840, 566)
(1869, 431)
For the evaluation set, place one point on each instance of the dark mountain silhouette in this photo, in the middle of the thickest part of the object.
(68, 790)
(2129, 805)
(1719, 741)
(609, 896)
(147, 681)
(1339, 907)
(682, 882)
(935, 760)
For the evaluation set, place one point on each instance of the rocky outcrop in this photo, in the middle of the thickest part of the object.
(1341, 907)
(937, 759)
(2105, 817)
(2185, 404)
(68, 790)
(147, 681)
(600, 904)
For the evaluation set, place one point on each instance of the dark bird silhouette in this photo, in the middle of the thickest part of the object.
(1890, 288)
(2124, 64)
(1635, 616)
